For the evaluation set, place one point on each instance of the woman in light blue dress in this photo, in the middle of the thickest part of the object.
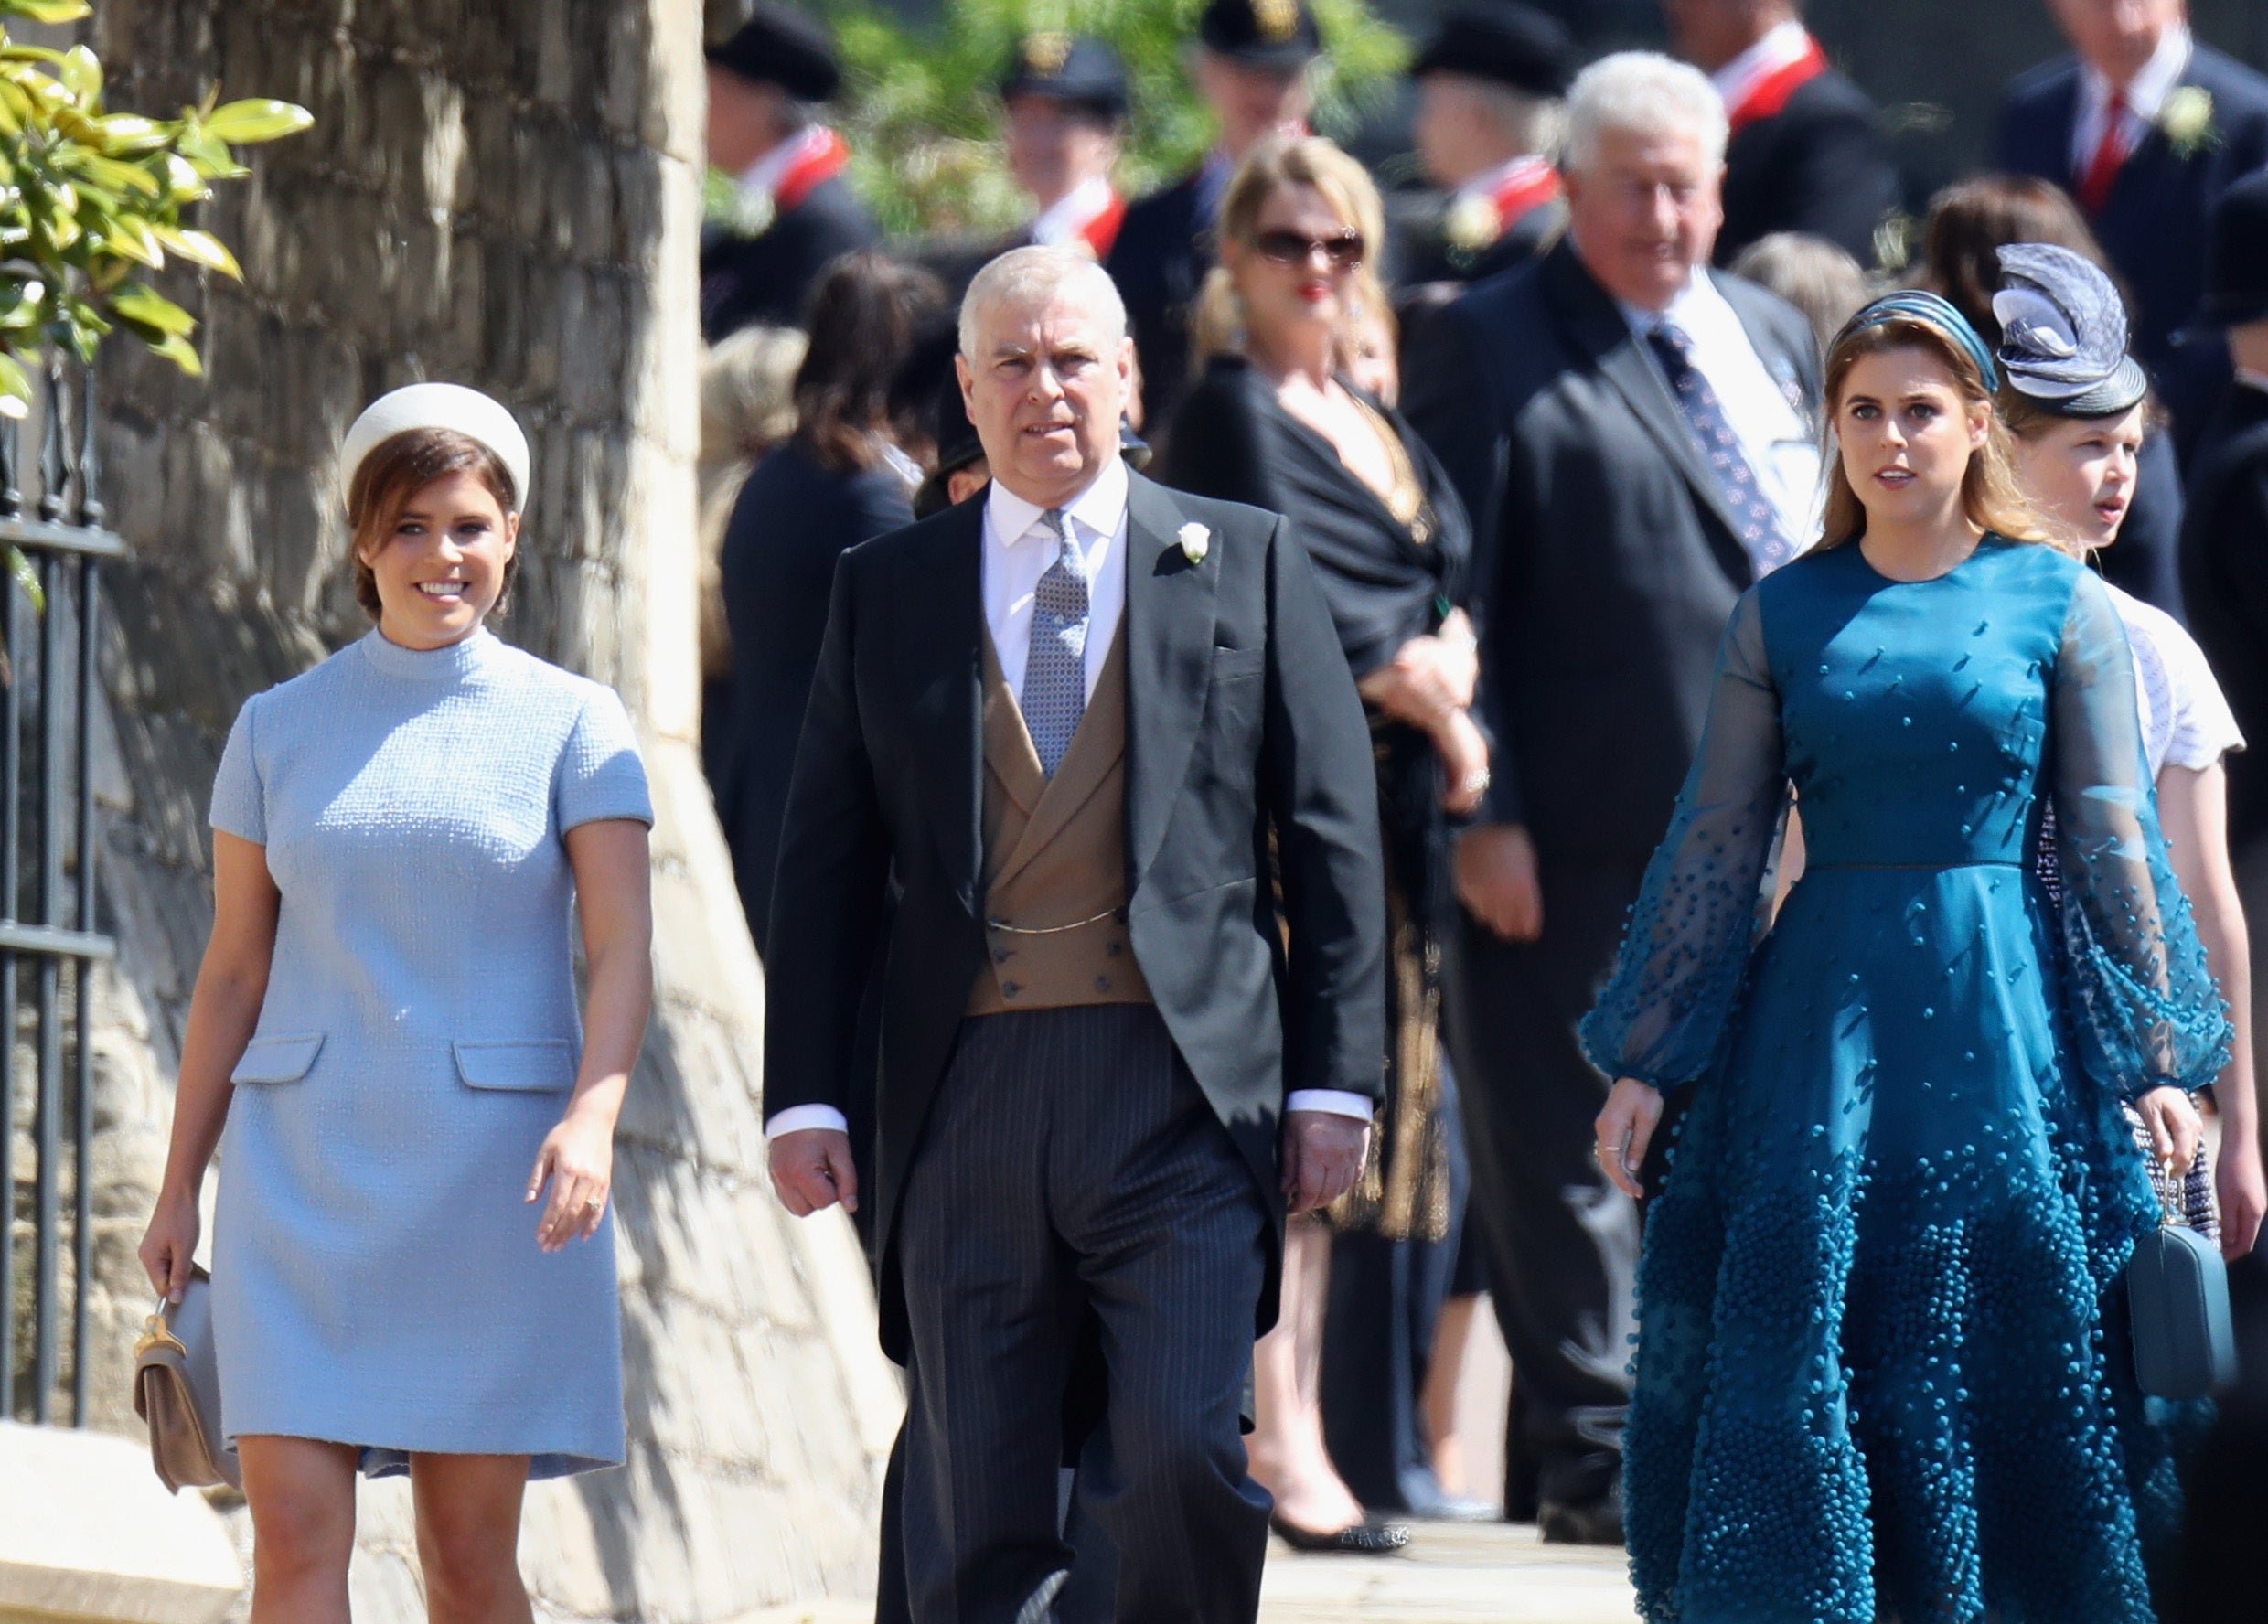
(412, 1260)
(1883, 1367)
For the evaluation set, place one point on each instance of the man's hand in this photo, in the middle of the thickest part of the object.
(811, 1169)
(1322, 1157)
(1497, 881)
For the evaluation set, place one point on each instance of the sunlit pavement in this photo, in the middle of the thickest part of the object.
(1484, 1572)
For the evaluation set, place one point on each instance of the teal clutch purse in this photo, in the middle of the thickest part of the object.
(2177, 1296)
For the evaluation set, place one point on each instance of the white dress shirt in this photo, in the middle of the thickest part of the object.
(1018, 548)
(1062, 220)
(1779, 440)
(1783, 43)
(762, 178)
(2146, 98)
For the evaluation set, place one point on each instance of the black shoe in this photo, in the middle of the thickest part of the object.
(1593, 1523)
(1363, 1539)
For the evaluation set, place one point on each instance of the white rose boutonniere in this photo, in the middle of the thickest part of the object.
(2188, 119)
(1195, 542)
(1471, 226)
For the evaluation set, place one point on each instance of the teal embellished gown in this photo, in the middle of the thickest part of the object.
(1882, 1369)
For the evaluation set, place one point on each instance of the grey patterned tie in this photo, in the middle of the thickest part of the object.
(1761, 534)
(1055, 674)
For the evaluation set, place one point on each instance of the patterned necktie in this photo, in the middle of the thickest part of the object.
(1757, 521)
(1055, 674)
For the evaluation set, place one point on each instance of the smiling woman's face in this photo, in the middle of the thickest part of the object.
(1907, 433)
(440, 567)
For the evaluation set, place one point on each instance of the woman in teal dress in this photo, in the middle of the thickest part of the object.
(1883, 1371)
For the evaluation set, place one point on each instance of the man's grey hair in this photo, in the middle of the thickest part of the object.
(1641, 93)
(1032, 274)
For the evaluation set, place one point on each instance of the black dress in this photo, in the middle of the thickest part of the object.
(1387, 582)
(792, 519)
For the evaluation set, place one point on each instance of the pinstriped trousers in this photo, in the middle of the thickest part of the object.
(1070, 1160)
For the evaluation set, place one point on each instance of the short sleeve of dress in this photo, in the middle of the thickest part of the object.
(600, 774)
(1664, 1013)
(239, 802)
(2147, 1011)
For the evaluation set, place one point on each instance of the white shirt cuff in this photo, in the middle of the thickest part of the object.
(796, 1118)
(1336, 1101)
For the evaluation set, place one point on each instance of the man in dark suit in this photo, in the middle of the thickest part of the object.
(1060, 726)
(795, 209)
(2146, 126)
(1807, 152)
(1488, 84)
(1634, 435)
(1251, 67)
(2224, 546)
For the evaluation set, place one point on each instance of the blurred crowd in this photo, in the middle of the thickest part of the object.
(1538, 425)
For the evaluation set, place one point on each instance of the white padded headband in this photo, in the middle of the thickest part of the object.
(452, 406)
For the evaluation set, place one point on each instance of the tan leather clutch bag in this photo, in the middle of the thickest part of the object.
(177, 1390)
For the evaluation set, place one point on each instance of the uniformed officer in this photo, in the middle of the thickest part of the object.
(1489, 89)
(795, 211)
(1251, 67)
(1066, 99)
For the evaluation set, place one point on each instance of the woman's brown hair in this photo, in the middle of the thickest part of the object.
(1277, 162)
(1971, 220)
(1989, 494)
(864, 318)
(397, 469)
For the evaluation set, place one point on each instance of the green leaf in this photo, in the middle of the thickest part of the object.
(144, 307)
(181, 353)
(21, 571)
(14, 388)
(258, 119)
(46, 11)
(82, 73)
(116, 174)
(200, 248)
(126, 134)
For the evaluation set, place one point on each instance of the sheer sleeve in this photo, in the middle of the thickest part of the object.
(1686, 950)
(2144, 1003)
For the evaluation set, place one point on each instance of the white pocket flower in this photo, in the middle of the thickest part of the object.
(2188, 119)
(1196, 541)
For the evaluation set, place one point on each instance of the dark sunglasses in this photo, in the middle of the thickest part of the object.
(1293, 247)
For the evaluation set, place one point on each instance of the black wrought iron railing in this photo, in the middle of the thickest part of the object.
(49, 935)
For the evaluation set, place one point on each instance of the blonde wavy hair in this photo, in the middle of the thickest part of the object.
(1991, 495)
(1216, 325)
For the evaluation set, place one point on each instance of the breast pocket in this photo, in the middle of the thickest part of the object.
(268, 1060)
(546, 1066)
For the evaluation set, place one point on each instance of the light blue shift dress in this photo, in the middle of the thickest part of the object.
(376, 1275)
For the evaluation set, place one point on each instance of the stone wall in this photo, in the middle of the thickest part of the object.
(502, 194)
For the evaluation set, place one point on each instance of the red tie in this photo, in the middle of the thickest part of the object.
(2094, 186)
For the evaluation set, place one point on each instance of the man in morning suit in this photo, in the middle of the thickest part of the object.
(1061, 725)
(796, 211)
(1489, 88)
(1251, 67)
(1807, 152)
(2146, 126)
(2225, 537)
(1634, 435)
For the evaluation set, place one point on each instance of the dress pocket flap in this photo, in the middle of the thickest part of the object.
(545, 1066)
(277, 1060)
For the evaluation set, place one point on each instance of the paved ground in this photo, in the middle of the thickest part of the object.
(1487, 1573)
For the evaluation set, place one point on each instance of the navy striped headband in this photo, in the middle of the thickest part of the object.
(1913, 305)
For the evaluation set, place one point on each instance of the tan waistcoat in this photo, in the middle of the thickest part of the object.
(1055, 857)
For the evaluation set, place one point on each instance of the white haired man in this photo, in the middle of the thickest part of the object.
(1634, 435)
(1056, 725)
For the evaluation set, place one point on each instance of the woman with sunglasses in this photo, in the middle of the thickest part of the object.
(1276, 423)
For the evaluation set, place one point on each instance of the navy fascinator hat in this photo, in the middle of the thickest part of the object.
(2063, 330)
